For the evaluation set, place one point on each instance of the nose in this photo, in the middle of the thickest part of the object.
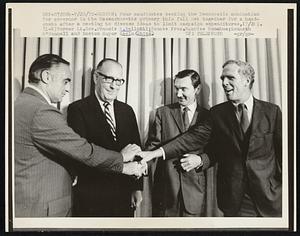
(67, 87)
(113, 84)
(179, 93)
(225, 81)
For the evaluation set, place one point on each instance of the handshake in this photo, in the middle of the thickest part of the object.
(133, 165)
(138, 168)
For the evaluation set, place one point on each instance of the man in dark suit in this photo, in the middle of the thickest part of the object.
(177, 192)
(105, 121)
(44, 144)
(246, 141)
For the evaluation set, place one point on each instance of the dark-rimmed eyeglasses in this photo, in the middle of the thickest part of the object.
(110, 79)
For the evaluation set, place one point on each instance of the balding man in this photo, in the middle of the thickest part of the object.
(104, 120)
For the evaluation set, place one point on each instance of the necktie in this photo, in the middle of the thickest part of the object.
(244, 121)
(186, 121)
(110, 120)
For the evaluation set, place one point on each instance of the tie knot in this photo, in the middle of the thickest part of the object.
(186, 109)
(106, 104)
(241, 107)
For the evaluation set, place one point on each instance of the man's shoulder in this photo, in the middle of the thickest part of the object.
(265, 104)
(220, 107)
(268, 108)
(122, 105)
(80, 102)
(201, 109)
(83, 104)
(29, 103)
(167, 108)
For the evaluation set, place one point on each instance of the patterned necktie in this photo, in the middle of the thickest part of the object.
(110, 120)
(244, 121)
(186, 121)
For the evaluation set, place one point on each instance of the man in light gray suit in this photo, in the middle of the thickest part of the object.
(44, 144)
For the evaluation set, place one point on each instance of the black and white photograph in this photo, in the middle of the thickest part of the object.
(141, 130)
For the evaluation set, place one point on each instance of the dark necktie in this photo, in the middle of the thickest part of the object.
(186, 121)
(110, 120)
(244, 121)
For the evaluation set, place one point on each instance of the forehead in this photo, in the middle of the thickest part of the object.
(183, 82)
(231, 69)
(111, 68)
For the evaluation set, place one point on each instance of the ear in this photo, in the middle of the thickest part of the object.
(248, 81)
(45, 76)
(198, 89)
(95, 78)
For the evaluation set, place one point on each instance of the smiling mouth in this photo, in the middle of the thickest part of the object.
(228, 91)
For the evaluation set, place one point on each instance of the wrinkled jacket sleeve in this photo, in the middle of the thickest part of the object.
(51, 133)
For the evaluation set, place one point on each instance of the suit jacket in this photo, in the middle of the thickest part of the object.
(96, 193)
(169, 177)
(44, 144)
(255, 167)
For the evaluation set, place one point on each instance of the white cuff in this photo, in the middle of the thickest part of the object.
(163, 153)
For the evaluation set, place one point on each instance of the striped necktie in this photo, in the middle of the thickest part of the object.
(110, 120)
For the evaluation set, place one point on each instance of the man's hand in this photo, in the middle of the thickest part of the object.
(133, 168)
(136, 199)
(144, 167)
(149, 155)
(191, 161)
(129, 152)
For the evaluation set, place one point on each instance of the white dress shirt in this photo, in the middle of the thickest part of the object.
(191, 110)
(249, 106)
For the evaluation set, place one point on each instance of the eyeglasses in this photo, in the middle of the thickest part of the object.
(110, 79)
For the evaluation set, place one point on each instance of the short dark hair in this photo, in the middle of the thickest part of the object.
(44, 62)
(105, 60)
(195, 77)
(245, 68)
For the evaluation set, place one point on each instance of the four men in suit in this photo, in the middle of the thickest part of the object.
(45, 144)
(105, 121)
(246, 141)
(243, 135)
(177, 192)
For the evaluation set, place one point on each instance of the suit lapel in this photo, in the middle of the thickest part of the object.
(98, 114)
(197, 112)
(256, 115)
(118, 115)
(176, 114)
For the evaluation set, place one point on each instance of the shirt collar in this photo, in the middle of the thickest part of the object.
(102, 102)
(248, 103)
(192, 107)
(40, 92)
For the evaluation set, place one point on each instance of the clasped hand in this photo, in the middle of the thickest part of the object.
(135, 168)
(131, 166)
